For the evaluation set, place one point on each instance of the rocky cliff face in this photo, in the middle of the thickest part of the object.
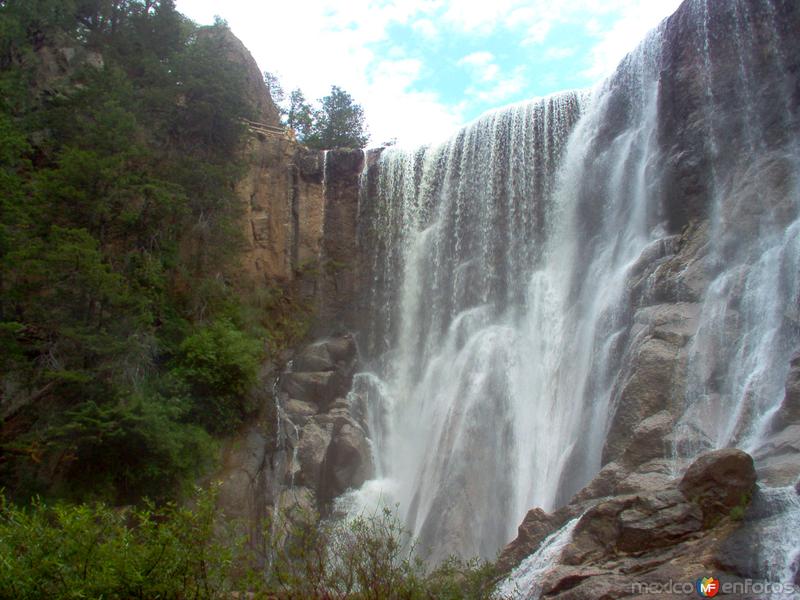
(299, 220)
(257, 95)
(282, 194)
(572, 305)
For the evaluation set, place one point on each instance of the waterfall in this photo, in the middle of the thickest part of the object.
(524, 582)
(508, 268)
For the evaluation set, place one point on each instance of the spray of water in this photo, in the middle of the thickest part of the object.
(501, 305)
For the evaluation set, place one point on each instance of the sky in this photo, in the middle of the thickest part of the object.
(423, 68)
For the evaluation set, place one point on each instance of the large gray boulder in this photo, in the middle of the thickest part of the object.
(719, 482)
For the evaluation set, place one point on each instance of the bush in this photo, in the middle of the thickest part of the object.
(82, 551)
(219, 363)
(92, 551)
(123, 451)
(370, 557)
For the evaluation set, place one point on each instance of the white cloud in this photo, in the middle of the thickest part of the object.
(477, 59)
(320, 43)
(635, 20)
(537, 33)
(426, 28)
(481, 65)
(557, 53)
(523, 15)
(502, 89)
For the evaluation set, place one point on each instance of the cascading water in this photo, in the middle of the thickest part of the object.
(507, 271)
(524, 582)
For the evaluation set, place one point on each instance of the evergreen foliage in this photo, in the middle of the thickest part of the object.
(338, 122)
(123, 345)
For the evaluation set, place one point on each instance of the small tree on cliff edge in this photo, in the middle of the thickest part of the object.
(339, 123)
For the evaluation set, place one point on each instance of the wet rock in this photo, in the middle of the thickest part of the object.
(648, 477)
(342, 349)
(348, 462)
(535, 527)
(298, 409)
(334, 354)
(318, 388)
(778, 458)
(720, 481)
(657, 520)
(311, 451)
(630, 524)
(647, 442)
(298, 501)
(341, 277)
(646, 390)
(314, 358)
(683, 277)
(673, 323)
(789, 411)
(604, 484)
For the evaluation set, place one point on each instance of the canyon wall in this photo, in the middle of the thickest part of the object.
(567, 316)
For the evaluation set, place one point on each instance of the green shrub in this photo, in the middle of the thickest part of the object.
(82, 551)
(64, 551)
(219, 363)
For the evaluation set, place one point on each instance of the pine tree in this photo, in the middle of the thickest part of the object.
(339, 123)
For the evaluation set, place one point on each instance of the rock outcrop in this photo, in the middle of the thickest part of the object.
(307, 451)
(329, 448)
(623, 543)
(256, 93)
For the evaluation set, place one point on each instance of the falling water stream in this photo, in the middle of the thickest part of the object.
(501, 303)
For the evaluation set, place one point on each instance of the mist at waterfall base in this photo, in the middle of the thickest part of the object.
(507, 279)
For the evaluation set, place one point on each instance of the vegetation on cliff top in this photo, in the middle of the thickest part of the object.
(337, 122)
(124, 344)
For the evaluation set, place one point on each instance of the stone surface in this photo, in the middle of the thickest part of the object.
(720, 481)
(297, 409)
(282, 217)
(647, 389)
(256, 92)
(648, 440)
(348, 462)
(535, 527)
(314, 358)
(339, 282)
(653, 536)
(311, 451)
(778, 458)
(789, 411)
(318, 388)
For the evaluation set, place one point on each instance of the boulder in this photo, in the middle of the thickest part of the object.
(631, 524)
(297, 410)
(535, 527)
(348, 462)
(720, 481)
(315, 357)
(342, 348)
(311, 451)
(319, 388)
